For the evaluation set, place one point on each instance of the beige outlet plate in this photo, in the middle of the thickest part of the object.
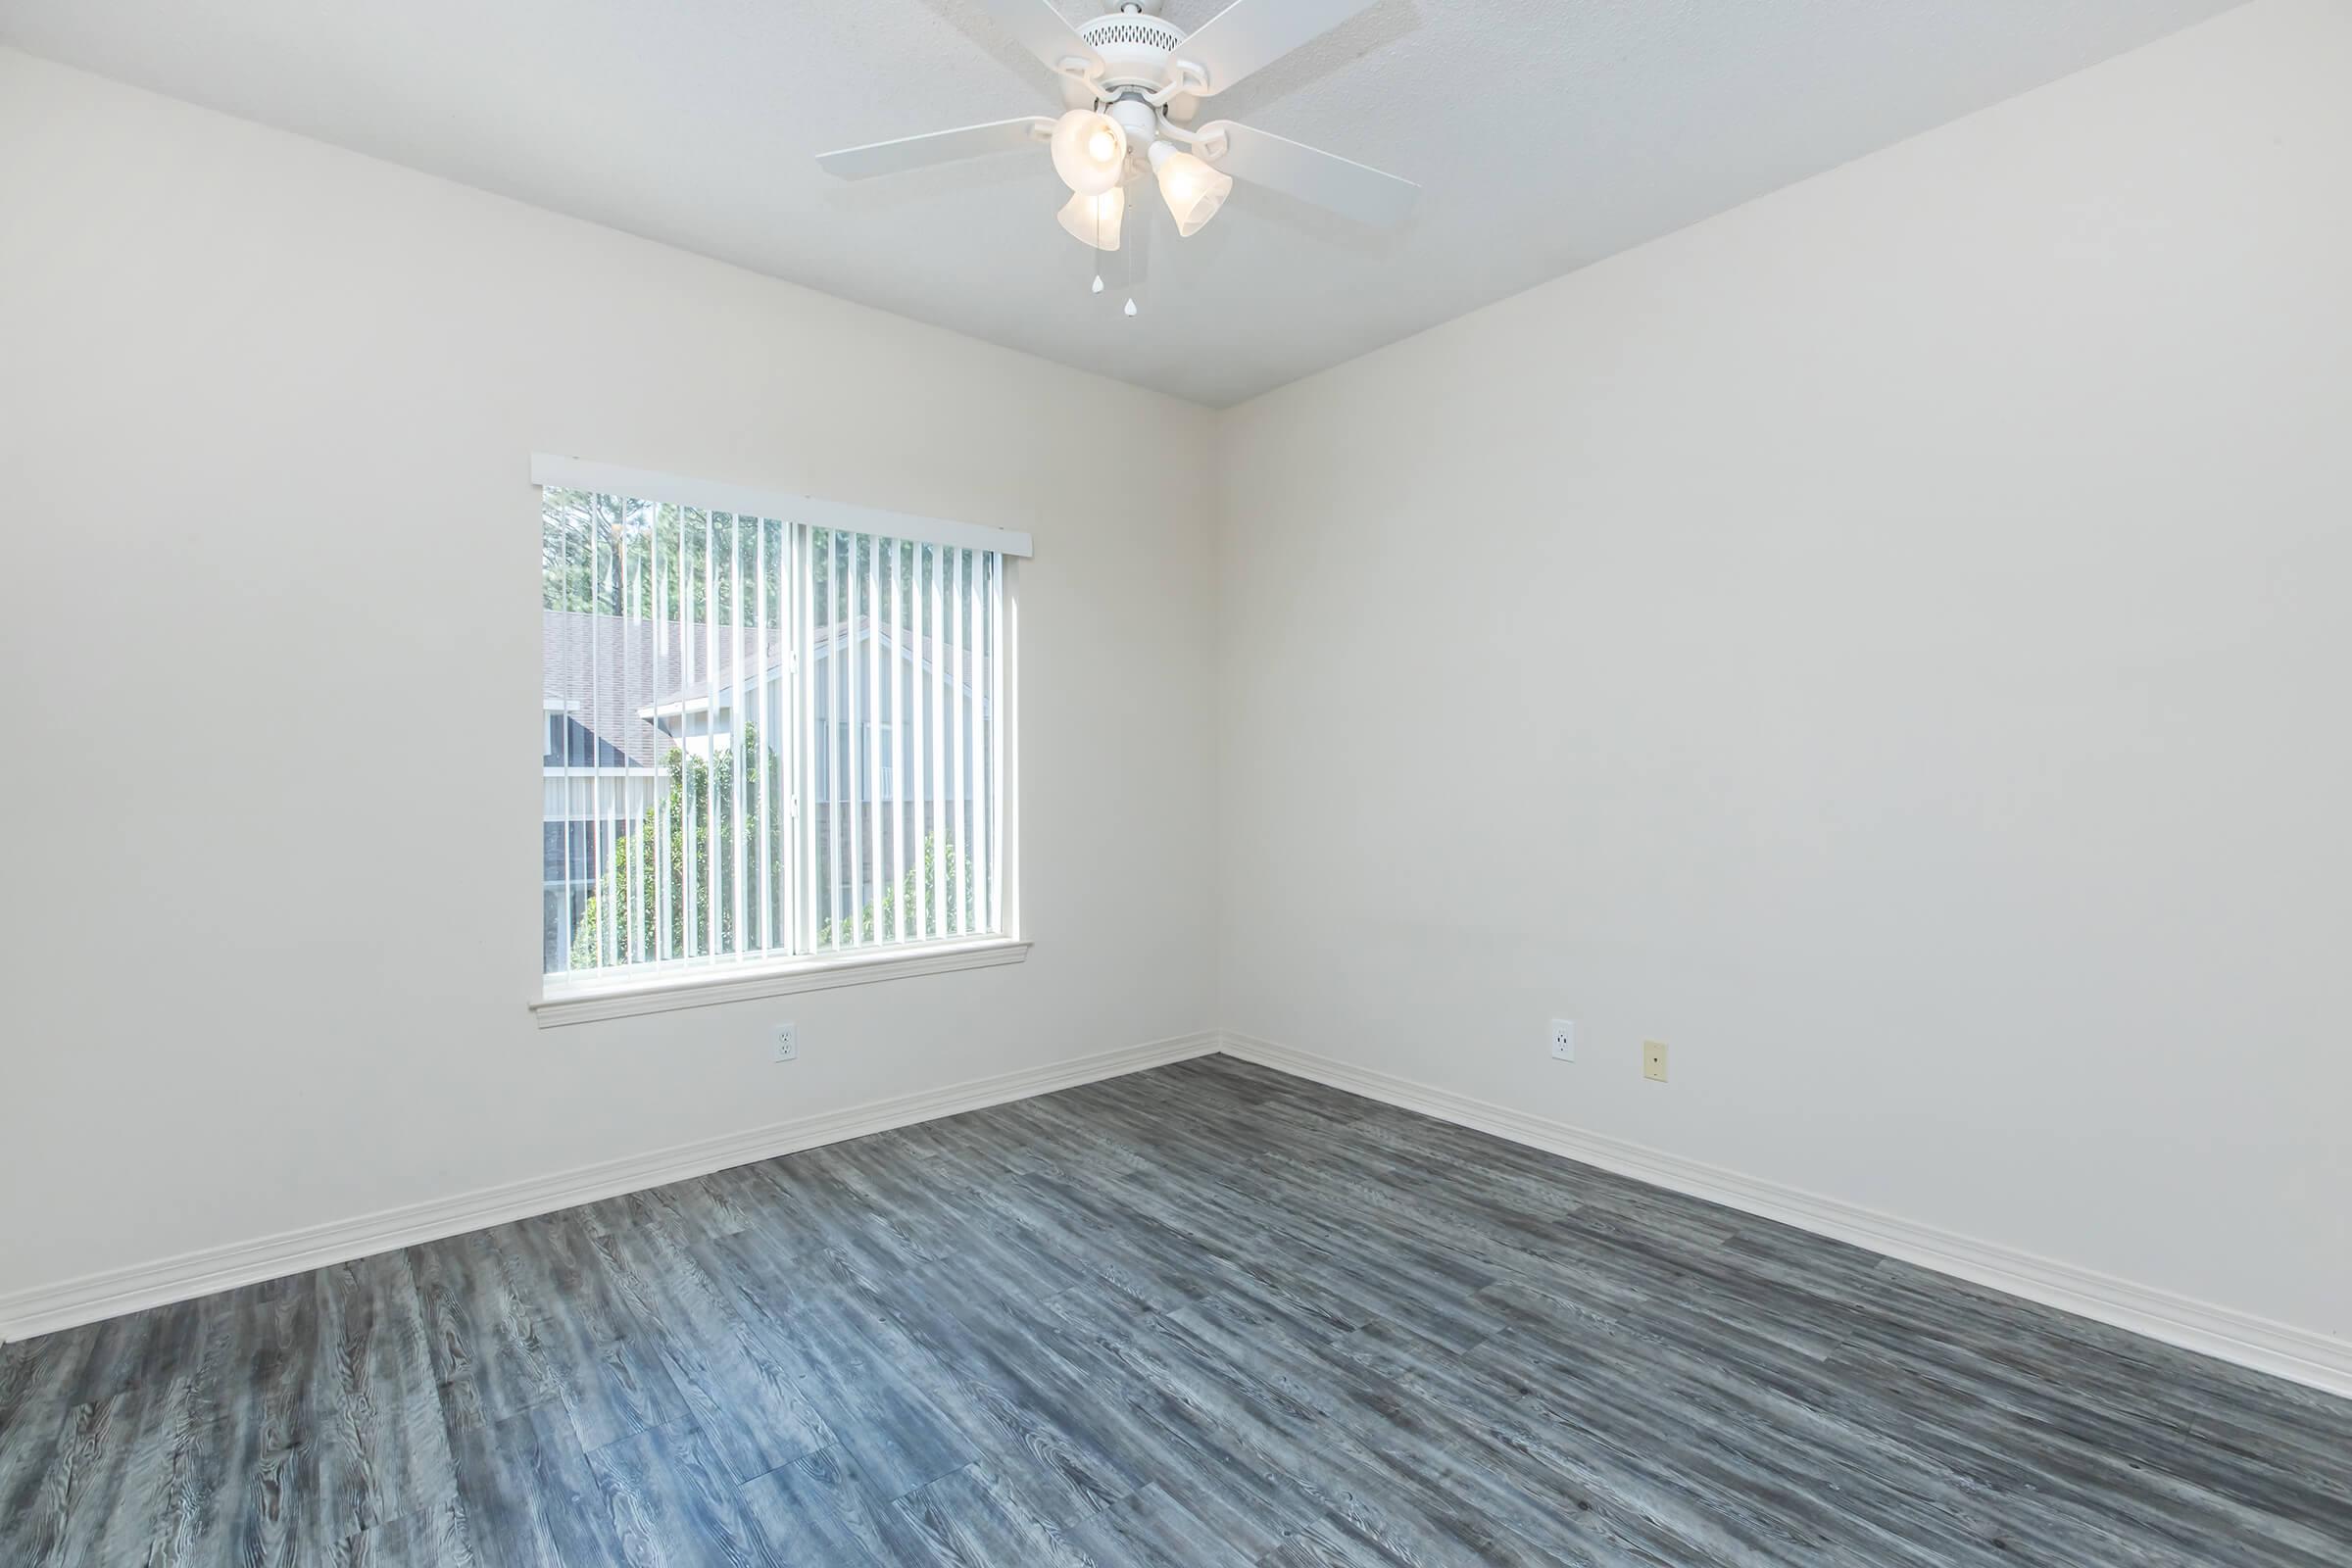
(1653, 1060)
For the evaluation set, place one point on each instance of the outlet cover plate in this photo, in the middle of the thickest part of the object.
(1653, 1060)
(1564, 1039)
(788, 1042)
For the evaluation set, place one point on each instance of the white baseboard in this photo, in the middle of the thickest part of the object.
(2319, 1360)
(2323, 1361)
(47, 1308)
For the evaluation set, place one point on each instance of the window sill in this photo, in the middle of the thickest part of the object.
(593, 1003)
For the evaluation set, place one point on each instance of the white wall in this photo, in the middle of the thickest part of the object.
(271, 630)
(1890, 642)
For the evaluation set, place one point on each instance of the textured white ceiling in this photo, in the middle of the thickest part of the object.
(1547, 133)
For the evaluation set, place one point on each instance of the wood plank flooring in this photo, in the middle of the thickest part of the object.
(1205, 1314)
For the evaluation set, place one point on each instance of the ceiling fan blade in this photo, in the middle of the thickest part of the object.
(1040, 30)
(938, 147)
(1326, 180)
(1251, 33)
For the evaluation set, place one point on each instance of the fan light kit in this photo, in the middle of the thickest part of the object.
(1096, 220)
(1089, 152)
(1132, 85)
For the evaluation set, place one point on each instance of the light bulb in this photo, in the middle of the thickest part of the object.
(1131, 307)
(1096, 220)
(1097, 282)
(1090, 151)
(1193, 190)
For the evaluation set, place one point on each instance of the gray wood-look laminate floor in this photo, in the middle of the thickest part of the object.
(1205, 1314)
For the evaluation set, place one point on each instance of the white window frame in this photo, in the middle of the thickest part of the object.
(587, 997)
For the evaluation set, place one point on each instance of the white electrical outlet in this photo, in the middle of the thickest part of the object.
(1564, 1039)
(788, 1042)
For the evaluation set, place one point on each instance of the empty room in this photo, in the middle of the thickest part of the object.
(1149, 783)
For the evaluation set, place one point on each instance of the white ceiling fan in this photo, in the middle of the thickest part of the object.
(1132, 84)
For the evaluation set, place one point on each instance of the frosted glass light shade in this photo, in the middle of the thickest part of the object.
(1090, 151)
(1096, 220)
(1193, 190)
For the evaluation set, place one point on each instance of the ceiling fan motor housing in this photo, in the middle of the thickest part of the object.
(1137, 50)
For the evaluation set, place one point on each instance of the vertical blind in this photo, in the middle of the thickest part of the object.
(764, 738)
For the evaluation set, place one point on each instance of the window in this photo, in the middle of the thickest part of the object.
(770, 739)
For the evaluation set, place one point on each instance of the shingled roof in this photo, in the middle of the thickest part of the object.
(604, 671)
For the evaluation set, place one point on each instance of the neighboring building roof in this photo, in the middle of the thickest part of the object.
(601, 666)
(738, 663)
(608, 673)
(830, 640)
